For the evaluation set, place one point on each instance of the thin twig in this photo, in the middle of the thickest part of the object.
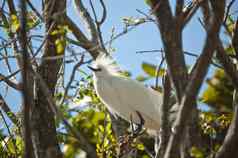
(9, 131)
(190, 11)
(228, 10)
(87, 19)
(16, 86)
(72, 78)
(159, 67)
(10, 76)
(8, 111)
(98, 27)
(34, 10)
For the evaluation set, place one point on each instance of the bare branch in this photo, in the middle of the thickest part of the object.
(98, 27)
(229, 147)
(171, 37)
(229, 68)
(189, 12)
(158, 68)
(34, 10)
(228, 10)
(104, 14)
(196, 79)
(72, 77)
(11, 75)
(11, 6)
(83, 41)
(8, 111)
(27, 100)
(88, 21)
(206, 12)
(165, 128)
(235, 39)
(85, 145)
(179, 7)
(9, 131)
(17, 86)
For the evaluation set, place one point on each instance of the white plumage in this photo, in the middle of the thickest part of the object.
(123, 96)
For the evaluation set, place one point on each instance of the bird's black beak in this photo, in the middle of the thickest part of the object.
(94, 69)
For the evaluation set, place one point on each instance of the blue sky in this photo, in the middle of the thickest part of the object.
(144, 37)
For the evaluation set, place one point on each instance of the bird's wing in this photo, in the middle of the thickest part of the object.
(133, 95)
(105, 92)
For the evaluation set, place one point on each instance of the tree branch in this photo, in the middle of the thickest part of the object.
(171, 36)
(27, 100)
(229, 146)
(85, 145)
(235, 39)
(83, 41)
(88, 21)
(8, 111)
(104, 14)
(165, 124)
(189, 12)
(196, 80)
(179, 7)
(17, 86)
(229, 68)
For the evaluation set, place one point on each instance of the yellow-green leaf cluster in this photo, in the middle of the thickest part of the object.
(196, 153)
(106, 142)
(60, 43)
(151, 70)
(219, 92)
(14, 23)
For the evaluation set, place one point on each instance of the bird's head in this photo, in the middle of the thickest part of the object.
(104, 65)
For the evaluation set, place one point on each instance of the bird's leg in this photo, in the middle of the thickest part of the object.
(141, 124)
(157, 145)
(127, 140)
(131, 123)
(137, 131)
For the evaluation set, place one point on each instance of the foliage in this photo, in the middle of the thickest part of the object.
(86, 113)
(219, 92)
(152, 71)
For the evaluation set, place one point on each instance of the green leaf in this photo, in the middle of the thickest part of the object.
(230, 50)
(149, 2)
(150, 70)
(32, 20)
(140, 146)
(60, 45)
(219, 91)
(55, 32)
(15, 24)
(196, 153)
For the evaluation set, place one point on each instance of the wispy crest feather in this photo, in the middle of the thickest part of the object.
(108, 63)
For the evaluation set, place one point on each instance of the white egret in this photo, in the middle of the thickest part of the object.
(125, 97)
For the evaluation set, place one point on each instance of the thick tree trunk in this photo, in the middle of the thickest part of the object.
(42, 117)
